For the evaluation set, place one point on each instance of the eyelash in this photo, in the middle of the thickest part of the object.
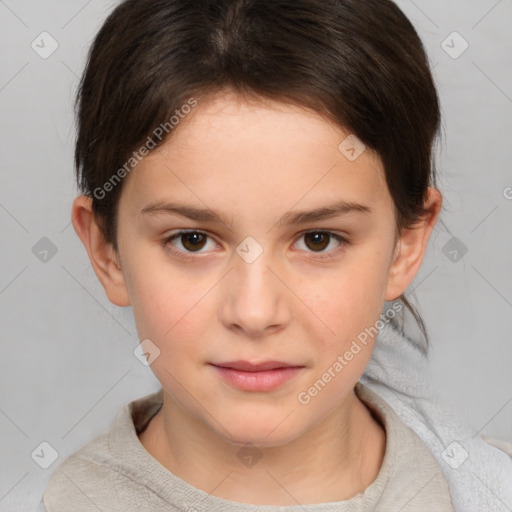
(343, 243)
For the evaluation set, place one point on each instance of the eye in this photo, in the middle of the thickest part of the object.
(318, 241)
(194, 241)
(191, 241)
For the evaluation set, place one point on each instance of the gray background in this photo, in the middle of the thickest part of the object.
(67, 363)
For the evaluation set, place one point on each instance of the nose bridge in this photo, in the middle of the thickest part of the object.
(255, 277)
(256, 298)
(253, 261)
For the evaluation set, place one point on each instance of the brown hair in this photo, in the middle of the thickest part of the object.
(360, 63)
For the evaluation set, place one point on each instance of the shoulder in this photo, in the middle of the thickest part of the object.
(70, 485)
(106, 473)
(410, 475)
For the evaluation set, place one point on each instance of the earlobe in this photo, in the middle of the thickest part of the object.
(104, 259)
(411, 248)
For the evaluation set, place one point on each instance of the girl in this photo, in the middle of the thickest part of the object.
(257, 184)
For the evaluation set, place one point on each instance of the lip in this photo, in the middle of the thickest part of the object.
(260, 377)
(247, 366)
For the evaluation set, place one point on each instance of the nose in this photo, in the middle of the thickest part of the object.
(256, 302)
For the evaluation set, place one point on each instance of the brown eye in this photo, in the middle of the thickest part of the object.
(317, 240)
(190, 241)
(193, 241)
(324, 244)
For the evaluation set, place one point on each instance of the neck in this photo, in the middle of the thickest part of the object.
(333, 461)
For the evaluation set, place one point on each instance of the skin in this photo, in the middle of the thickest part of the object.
(254, 162)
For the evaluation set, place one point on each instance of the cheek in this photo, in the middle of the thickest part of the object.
(350, 305)
(350, 299)
(172, 315)
(163, 299)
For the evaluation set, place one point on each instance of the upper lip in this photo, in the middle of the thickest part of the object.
(247, 366)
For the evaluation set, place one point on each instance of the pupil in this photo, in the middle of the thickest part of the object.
(196, 243)
(318, 238)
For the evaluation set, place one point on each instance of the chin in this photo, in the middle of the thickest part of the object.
(261, 435)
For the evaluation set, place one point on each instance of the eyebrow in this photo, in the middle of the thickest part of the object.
(288, 219)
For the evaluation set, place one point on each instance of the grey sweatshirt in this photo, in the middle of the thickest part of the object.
(114, 472)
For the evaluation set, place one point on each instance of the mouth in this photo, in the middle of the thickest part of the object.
(247, 366)
(258, 377)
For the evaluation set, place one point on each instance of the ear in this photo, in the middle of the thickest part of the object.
(411, 247)
(104, 259)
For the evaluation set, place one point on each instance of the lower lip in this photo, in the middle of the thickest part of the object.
(258, 381)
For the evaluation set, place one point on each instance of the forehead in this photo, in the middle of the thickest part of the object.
(229, 151)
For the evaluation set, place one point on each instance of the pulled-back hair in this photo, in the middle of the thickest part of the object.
(358, 63)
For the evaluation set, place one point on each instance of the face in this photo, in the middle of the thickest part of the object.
(270, 268)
